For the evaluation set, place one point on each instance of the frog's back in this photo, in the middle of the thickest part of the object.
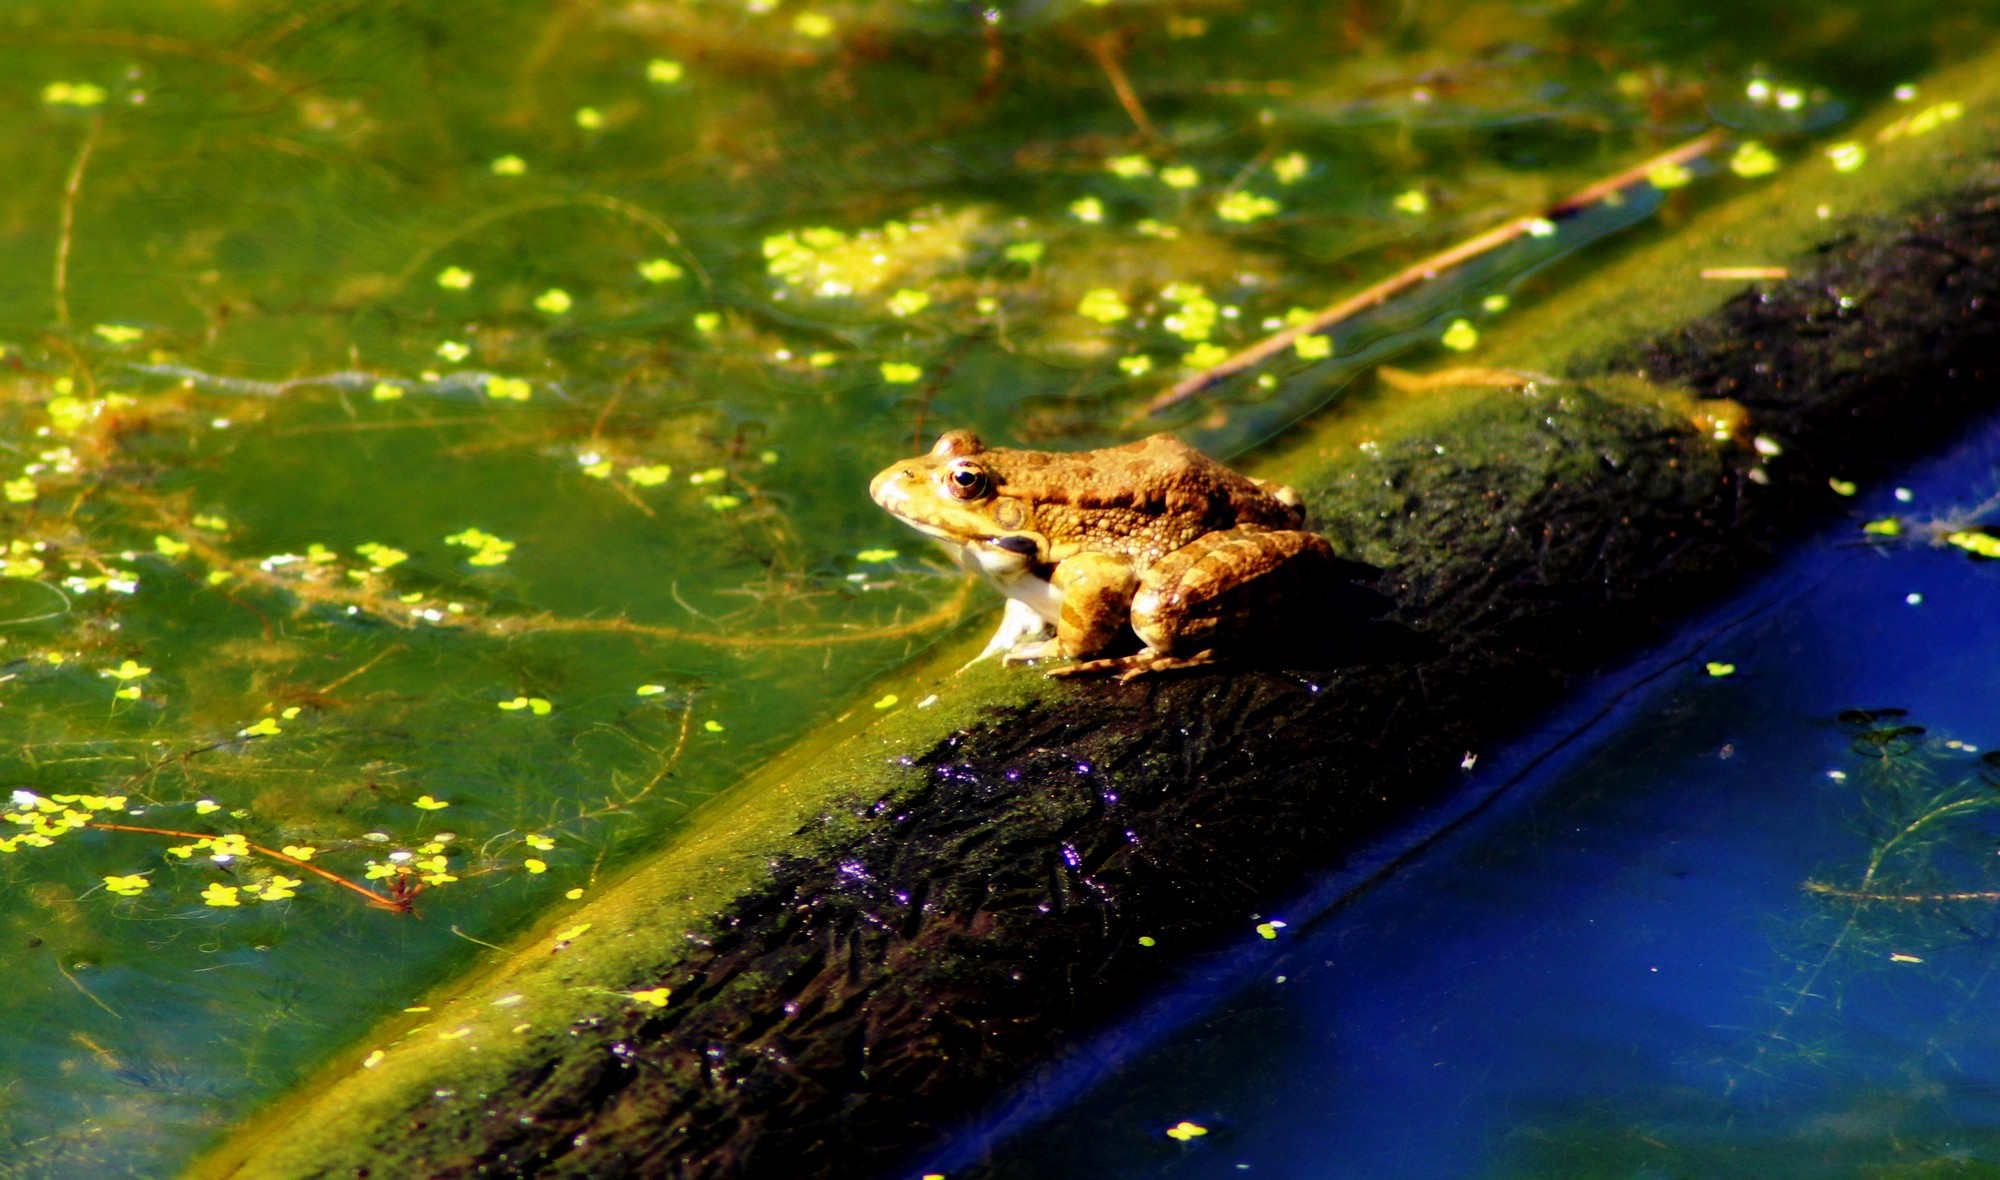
(1146, 497)
(1231, 498)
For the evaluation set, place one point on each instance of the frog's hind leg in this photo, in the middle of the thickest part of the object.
(1226, 586)
(1203, 600)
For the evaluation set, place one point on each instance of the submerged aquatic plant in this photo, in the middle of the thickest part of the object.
(1879, 1037)
(1929, 882)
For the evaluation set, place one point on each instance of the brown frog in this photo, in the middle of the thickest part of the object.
(1153, 535)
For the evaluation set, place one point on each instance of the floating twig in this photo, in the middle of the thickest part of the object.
(1745, 272)
(399, 903)
(1428, 269)
(470, 226)
(1407, 382)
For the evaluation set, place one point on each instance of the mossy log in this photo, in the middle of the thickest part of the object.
(883, 931)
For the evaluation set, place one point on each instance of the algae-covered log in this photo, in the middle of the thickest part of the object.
(886, 928)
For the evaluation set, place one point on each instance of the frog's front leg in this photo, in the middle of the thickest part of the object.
(1020, 626)
(1096, 591)
(1215, 590)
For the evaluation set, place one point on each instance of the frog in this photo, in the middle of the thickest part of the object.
(1152, 537)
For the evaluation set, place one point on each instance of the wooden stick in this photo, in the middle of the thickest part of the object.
(1428, 269)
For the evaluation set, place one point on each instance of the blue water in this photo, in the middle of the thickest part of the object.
(1614, 969)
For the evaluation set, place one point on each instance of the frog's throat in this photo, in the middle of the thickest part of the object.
(1023, 586)
(1016, 576)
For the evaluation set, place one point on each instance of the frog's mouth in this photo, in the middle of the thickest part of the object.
(1018, 546)
(933, 531)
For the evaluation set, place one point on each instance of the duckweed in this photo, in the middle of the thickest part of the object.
(1979, 544)
(1291, 167)
(1103, 305)
(74, 94)
(1753, 159)
(1245, 207)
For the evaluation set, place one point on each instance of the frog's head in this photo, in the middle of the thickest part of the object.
(952, 494)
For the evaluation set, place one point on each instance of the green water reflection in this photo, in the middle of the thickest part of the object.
(628, 298)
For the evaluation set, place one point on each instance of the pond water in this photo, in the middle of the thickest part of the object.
(1745, 927)
(433, 436)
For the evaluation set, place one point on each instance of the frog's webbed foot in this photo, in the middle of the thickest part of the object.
(1130, 668)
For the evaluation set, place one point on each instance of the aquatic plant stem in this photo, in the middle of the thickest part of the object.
(609, 204)
(396, 904)
(950, 611)
(67, 233)
(667, 767)
(1105, 48)
(1426, 270)
(170, 47)
(363, 670)
(385, 605)
(1822, 887)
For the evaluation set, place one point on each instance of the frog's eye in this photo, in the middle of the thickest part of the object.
(966, 481)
